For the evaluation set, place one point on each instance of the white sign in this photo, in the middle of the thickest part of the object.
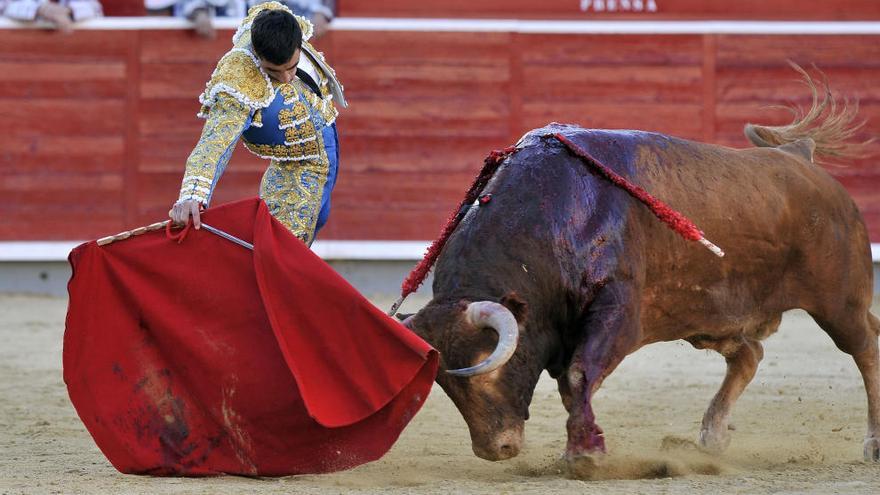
(619, 5)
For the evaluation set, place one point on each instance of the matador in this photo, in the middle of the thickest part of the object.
(275, 92)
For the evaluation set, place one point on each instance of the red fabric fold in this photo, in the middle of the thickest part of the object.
(205, 358)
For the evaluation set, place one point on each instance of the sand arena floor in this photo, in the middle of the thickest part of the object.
(799, 428)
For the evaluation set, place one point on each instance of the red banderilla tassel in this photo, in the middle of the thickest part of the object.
(420, 272)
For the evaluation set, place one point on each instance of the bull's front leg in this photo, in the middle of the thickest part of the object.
(610, 332)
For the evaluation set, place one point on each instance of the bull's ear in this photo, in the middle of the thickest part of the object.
(516, 305)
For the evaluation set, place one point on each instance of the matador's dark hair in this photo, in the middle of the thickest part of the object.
(276, 35)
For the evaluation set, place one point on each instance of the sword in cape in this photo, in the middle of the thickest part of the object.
(162, 225)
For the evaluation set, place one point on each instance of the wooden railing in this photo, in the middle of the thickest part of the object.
(95, 127)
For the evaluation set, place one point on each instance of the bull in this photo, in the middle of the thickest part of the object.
(563, 271)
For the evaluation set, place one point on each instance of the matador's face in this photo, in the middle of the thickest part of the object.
(285, 72)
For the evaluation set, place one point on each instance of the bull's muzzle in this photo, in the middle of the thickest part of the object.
(500, 447)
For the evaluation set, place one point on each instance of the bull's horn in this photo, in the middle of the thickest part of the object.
(407, 321)
(500, 319)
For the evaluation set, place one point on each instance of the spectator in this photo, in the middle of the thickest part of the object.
(201, 12)
(60, 13)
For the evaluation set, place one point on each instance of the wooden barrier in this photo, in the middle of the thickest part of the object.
(788, 10)
(95, 127)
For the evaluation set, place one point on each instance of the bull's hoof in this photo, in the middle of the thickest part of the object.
(714, 441)
(584, 466)
(872, 449)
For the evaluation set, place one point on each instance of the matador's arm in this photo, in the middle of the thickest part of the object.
(227, 120)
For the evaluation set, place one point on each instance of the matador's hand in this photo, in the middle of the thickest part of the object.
(182, 210)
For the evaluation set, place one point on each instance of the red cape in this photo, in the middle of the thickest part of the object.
(204, 357)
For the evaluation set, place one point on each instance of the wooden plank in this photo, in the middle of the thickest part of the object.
(174, 80)
(63, 89)
(46, 116)
(363, 224)
(425, 153)
(50, 210)
(97, 183)
(132, 143)
(170, 118)
(405, 117)
(516, 90)
(35, 45)
(59, 146)
(402, 190)
(824, 51)
(710, 48)
(682, 120)
(663, 50)
(424, 80)
(68, 71)
(39, 222)
(60, 162)
(368, 48)
(183, 46)
(631, 83)
(62, 79)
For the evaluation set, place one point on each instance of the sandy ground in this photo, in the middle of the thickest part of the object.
(799, 428)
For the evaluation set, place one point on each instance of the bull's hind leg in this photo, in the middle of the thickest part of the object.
(742, 356)
(856, 334)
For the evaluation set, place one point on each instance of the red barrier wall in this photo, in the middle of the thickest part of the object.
(617, 9)
(95, 127)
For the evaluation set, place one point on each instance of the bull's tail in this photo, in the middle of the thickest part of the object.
(832, 125)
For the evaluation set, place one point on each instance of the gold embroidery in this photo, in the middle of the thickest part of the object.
(282, 152)
(306, 27)
(296, 115)
(288, 92)
(324, 106)
(294, 192)
(238, 74)
(226, 122)
(301, 132)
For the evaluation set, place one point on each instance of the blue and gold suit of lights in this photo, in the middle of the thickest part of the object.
(286, 123)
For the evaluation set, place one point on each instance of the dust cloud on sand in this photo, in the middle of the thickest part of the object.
(798, 428)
